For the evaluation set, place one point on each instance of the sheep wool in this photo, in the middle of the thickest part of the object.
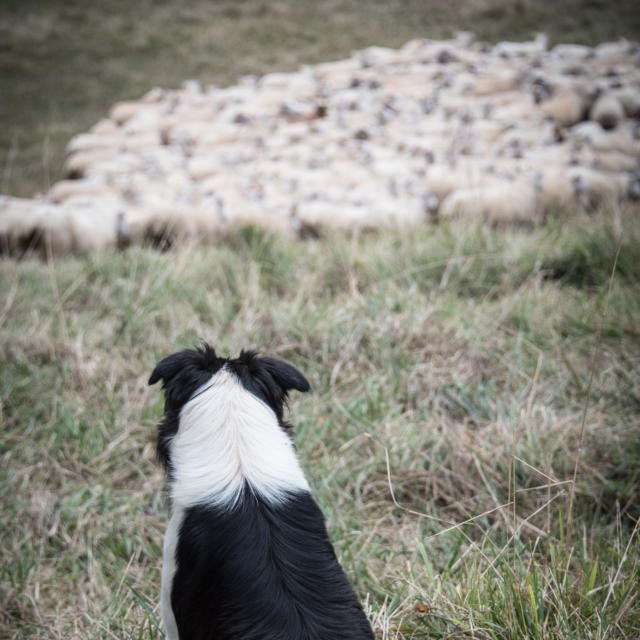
(451, 129)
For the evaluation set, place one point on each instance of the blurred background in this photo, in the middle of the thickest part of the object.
(473, 430)
(62, 64)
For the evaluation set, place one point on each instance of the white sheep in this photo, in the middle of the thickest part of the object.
(385, 137)
(594, 188)
(566, 106)
(607, 111)
(19, 218)
(104, 127)
(163, 226)
(498, 202)
(496, 81)
(122, 111)
(622, 139)
(441, 180)
(79, 162)
(92, 228)
(572, 51)
(629, 98)
(93, 141)
(555, 191)
(66, 189)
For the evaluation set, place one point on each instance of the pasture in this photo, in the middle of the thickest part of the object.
(473, 430)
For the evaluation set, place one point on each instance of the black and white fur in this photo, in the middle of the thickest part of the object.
(246, 552)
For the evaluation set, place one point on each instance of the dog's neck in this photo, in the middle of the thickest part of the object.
(229, 440)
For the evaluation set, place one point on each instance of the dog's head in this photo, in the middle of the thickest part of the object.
(185, 372)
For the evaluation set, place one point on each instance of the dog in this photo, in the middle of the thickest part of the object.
(246, 552)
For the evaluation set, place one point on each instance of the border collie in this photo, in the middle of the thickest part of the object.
(246, 552)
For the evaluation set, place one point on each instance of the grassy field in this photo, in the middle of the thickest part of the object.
(450, 373)
(462, 377)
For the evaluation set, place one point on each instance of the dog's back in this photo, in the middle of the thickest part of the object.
(262, 571)
(247, 555)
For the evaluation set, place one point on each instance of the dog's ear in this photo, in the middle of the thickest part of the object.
(285, 375)
(168, 367)
(184, 372)
(204, 358)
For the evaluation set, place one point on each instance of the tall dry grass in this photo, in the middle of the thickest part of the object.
(450, 370)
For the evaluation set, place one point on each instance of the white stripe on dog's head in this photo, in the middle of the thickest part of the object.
(223, 431)
(227, 438)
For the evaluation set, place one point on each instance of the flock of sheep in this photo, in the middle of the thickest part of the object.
(434, 130)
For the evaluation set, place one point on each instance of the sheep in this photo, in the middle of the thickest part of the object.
(629, 98)
(163, 226)
(19, 219)
(566, 107)
(78, 163)
(518, 111)
(104, 127)
(496, 202)
(499, 81)
(594, 188)
(384, 137)
(155, 95)
(555, 191)
(203, 133)
(52, 232)
(124, 162)
(92, 141)
(45, 230)
(442, 180)
(607, 111)
(376, 56)
(615, 162)
(139, 142)
(65, 189)
(123, 111)
(572, 51)
(203, 166)
(523, 49)
(276, 219)
(92, 228)
(609, 51)
(144, 123)
(622, 139)
(313, 217)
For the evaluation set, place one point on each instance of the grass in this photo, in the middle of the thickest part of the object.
(62, 64)
(449, 368)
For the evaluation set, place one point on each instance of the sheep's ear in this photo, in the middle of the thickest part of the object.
(285, 375)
